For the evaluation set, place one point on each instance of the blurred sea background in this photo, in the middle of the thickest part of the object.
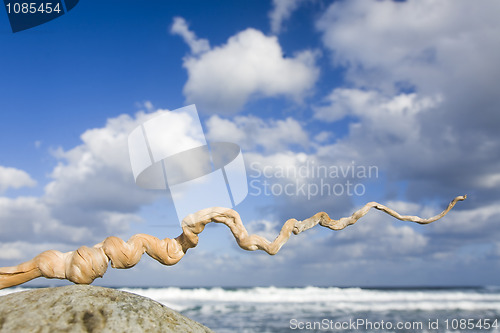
(332, 309)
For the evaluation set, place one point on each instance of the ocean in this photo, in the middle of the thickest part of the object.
(321, 309)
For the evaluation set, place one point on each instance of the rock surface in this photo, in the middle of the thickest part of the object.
(82, 308)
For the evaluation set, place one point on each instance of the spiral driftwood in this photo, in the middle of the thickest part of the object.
(88, 263)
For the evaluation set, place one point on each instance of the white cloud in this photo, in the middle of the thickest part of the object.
(97, 175)
(8, 251)
(14, 178)
(28, 218)
(276, 147)
(281, 148)
(386, 130)
(91, 195)
(379, 238)
(489, 181)
(282, 10)
(383, 115)
(496, 250)
(323, 136)
(477, 224)
(253, 133)
(447, 48)
(23, 251)
(280, 154)
(250, 64)
(431, 46)
(426, 42)
(342, 102)
(445, 53)
(181, 28)
(264, 228)
(371, 104)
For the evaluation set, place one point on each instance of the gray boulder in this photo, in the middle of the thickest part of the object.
(82, 308)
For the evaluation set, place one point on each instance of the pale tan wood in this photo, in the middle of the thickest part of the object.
(86, 264)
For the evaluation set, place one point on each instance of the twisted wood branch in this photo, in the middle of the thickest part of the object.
(86, 264)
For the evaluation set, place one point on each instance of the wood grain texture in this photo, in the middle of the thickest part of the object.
(86, 264)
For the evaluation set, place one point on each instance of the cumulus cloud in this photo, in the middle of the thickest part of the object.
(282, 10)
(280, 154)
(250, 64)
(418, 52)
(29, 218)
(14, 178)
(386, 131)
(378, 238)
(264, 228)
(20, 250)
(92, 185)
(91, 193)
(470, 224)
(431, 47)
(342, 102)
(424, 42)
(391, 133)
(8, 251)
(496, 250)
(197, 45)
(253, 133)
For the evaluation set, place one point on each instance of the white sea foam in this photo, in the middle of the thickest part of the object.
(324, 299)
(269, 309)
(316, 298)
(12, 290)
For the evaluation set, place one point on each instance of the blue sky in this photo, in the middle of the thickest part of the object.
(407, 87)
